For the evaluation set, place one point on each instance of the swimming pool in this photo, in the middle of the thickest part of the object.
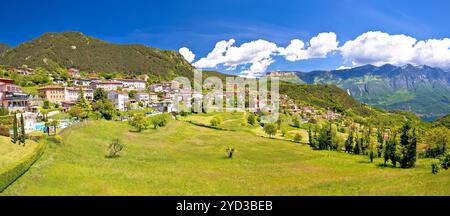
(41, 125)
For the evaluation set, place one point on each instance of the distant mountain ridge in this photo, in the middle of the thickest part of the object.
(4, 47)
(74, 49)
(423, 90)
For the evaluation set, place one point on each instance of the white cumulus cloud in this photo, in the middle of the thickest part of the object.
(187, 54)
(319, 47)
(433, 52)
(373, 47)
(380, 48)
(257, 54)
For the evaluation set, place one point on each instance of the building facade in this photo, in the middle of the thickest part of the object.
(60, 94)
(119, 99)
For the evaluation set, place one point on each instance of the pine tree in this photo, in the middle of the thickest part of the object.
(393, 154)
(22, 130)
(83, 103)
(357, 148)
(349, 143)
(386, 151)
(310, 136)
(380, 139)
(412, 151)
(15, 138)
(404, 142)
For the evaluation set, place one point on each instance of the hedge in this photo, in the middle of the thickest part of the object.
(14, 171)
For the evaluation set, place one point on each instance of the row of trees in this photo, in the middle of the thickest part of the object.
(18, 136)
(387, 145)
(141, 122)
(100, 107)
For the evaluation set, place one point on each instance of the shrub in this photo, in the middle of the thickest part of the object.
(138, 121)
(160, 120)
(445, 161)
(114, 149)
(297, 138)
(270, 129)
(251, 119)
(435, 167)
(216, 121)
(283, 131)
(296, 121)
(230, 152)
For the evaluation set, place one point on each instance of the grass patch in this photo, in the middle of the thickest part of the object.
(16, 159)
(184, 159)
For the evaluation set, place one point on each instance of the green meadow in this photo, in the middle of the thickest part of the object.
(187, 159)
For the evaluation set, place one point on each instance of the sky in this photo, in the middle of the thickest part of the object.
(250, 37)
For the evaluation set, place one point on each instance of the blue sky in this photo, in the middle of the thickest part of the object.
(199, 25)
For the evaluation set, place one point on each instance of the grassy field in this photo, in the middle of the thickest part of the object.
(184, 159)
(16, 159)
(10, 153)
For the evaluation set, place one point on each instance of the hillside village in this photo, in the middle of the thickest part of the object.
(124, 94)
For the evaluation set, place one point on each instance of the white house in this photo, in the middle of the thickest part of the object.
(156, 88)
(107, 85)
(84, 81)
(142, 97)
(119, 99)
(132, 84)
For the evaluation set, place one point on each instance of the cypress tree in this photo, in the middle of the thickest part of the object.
(386, 151)
(404, 142)
(393, 150)
(349, 143)
(310, 136)
(380, 139)
(412, 151)
(22, 129)
(15, 138)
(357, 148)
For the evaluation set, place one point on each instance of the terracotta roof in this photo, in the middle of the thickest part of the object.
(120, 92)
(108, 82)
(130, 80)
(51, 87)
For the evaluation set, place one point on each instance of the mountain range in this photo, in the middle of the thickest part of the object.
(423, 90)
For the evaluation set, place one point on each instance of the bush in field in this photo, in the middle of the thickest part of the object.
(435, 167)
(230, 152)
(297, 138)
(251, 119)
(296, 121)
(138, 121)
(270, 129)
(78, 113)
(284, 131)
(159, 120)
(114, 149)
(445, 161)
(216, 121)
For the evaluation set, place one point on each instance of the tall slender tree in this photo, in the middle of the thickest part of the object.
(408, 144)
(15, 136)
(349, 143)
(23, 135)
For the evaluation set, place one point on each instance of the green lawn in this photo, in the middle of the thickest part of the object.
(184, 159)
(10, 153)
